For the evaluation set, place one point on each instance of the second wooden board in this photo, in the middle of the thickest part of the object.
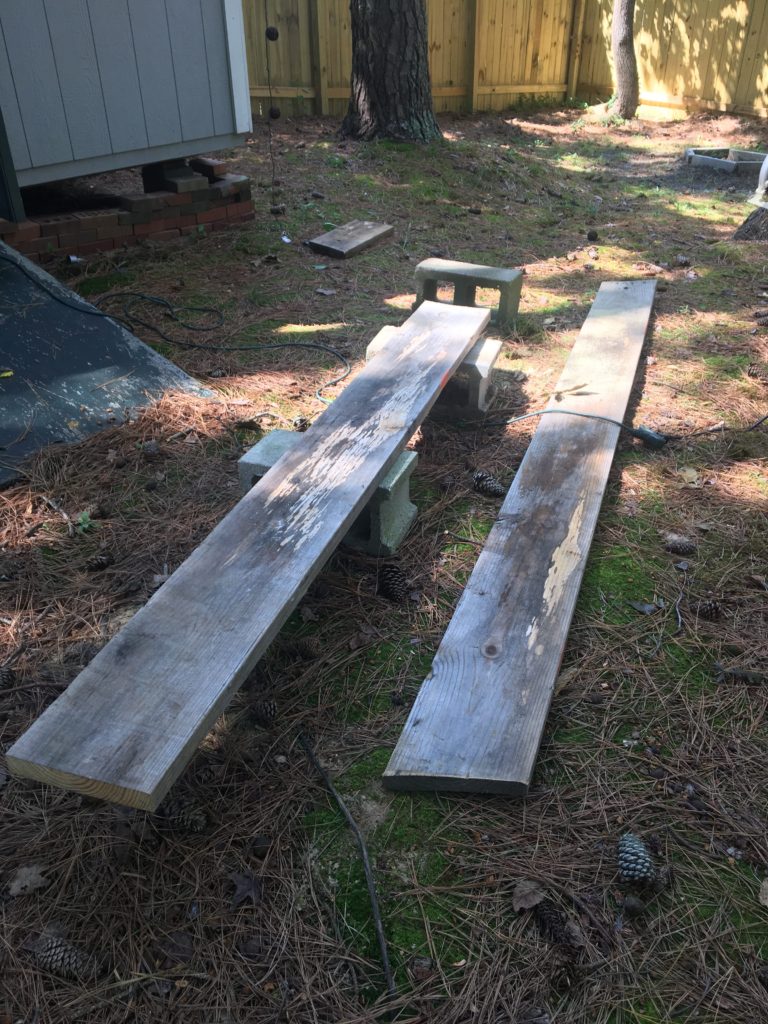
(478, 720)
(350, 238)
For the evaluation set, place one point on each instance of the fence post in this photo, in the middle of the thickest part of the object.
(319, 56)
(577, 40)
(477, 40)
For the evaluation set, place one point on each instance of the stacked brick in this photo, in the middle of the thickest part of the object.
(194, 199)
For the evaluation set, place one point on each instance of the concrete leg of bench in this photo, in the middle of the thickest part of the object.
(385, 521)
(466, 393)
(466, 278)
(390, 513)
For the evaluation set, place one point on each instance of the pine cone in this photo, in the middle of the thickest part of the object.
(264, 713)
(96, 510)
(710, 610)
(486, 483)
(680, 545)
(183, 813)
(551, 922)
(392, 583)
(634, 860)
(99, 562)
(758, 371)
(308, 648)
(7, 676)
(56, 954)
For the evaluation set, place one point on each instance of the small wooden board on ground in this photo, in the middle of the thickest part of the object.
(477, 722)
(350, 238)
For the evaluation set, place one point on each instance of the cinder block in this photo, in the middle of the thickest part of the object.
(230, 185)
(466, 278)
(208, 166)
(144, 202)
(381, 527)
(466, 393)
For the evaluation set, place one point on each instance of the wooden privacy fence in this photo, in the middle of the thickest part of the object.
(483, 53)
(486, 54)
(696, 54)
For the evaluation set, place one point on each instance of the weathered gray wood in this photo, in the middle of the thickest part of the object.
(14, 125)
(36, 84)
(78, 77)
(477, 722)
(218, 63)
(125, 728)
(190, 68)
(152, 45)
(111, 27)
(350, 238)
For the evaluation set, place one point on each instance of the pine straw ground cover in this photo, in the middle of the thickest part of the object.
(263, 915)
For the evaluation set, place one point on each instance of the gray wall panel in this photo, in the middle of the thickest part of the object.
(118, 73)
(14, 126)
(190, 67)
(218, 66)
(152, 43)
(78, 73)
(37, 84)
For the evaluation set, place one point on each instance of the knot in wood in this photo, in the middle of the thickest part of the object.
(491, 649)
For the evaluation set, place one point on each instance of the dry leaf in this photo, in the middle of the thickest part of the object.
(574, 936)
(565, 678)
(308, 615)
(27, 879)
(246, 888)
(527, 894)
(763, 896)
(178, 949)
(689, 476)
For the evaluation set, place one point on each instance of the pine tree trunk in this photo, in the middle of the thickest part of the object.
(624, 59)
(391, 96)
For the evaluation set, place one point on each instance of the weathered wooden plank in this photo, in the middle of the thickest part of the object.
(35, 81)
(111, 27)
(190, 68)
(350, 238)
(152, 47)
(78, 74)
(125, 728)
(477, 722)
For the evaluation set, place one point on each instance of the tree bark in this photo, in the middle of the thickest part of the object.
(391, 97)
(624, 59)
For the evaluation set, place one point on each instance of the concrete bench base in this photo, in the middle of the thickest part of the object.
(466, 278)
(381, 527)
(466, 393)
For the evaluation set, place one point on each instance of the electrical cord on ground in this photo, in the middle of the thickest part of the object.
(129, 319)
(652, 439)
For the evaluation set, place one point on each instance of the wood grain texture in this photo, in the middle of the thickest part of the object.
(125, 728)
(350, 238)
(477, 722)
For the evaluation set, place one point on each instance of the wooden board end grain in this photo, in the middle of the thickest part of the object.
(477, 721)
(126, 727)
(350, 238)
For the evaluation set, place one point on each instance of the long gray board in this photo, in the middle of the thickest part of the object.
(477, 722)
(126, 727)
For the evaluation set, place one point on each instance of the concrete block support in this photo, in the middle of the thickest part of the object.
(382, 526)
(466, 278)
(466, 393)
